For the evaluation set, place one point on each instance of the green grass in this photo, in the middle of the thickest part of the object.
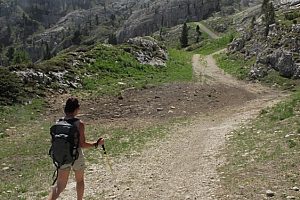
(16, 116)
(115, 70)
(286, 19)
(124, 140)
(26, 169)
(212, 45)
(263, 154)
(274, 79)
(234, 64)
(237, 66)
(30, 168)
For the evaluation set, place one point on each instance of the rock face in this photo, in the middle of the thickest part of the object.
(43, 28)
(151, 17)
(46, 27)
(58, 37)
(279, 60)
(148, 51)
(30, 76)
(279, 50)
(236, 45)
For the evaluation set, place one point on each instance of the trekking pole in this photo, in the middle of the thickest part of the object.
(108, 163)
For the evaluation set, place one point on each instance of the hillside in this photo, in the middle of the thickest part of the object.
(141, 127)
(267, 48)
(180, 120)
(41, 29)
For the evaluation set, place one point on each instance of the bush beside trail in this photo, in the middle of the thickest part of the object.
(11, 90)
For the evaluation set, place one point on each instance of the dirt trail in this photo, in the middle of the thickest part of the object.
(209, 32)
(183, 165)
(206, 69)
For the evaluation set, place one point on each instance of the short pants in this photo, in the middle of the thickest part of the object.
(79, 163)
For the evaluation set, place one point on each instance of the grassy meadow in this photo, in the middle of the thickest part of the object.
(263, 154)
(26, 169)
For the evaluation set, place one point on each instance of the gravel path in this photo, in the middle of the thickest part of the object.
(183, 165)
(209, 32)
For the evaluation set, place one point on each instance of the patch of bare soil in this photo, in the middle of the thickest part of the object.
(183, 165)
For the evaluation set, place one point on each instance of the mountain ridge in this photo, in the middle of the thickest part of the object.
(44, 28)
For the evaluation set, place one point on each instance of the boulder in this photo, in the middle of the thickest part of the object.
(258, 71)
(37, 77)
(236, 45)
(148, 51)
(32, 76)
(279, 60)
(282, 61)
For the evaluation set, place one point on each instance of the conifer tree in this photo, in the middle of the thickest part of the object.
(184, 36)
(76, 39)
(269, 17)
(264, 7)
(97, 20)
(10, 53)
(198, 33)
(271, 13)
(252, 24)
(112, 39)
(47, 53)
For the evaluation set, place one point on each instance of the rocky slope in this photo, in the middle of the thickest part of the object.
(83, 68)
(151, 17)
(44, 28)
(279, 48)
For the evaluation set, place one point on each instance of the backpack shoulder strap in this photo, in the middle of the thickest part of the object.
(71, 121)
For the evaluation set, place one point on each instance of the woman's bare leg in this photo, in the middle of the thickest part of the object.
(79, 177)
(62, 180)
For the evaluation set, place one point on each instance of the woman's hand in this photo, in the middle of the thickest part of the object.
(100, 141)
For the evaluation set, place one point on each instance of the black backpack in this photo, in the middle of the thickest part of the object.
(64, 143)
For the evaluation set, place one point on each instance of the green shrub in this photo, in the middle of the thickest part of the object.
(20, 57)
(11, 90)
(291, 15)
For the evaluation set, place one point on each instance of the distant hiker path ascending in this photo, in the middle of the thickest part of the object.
(183, 165)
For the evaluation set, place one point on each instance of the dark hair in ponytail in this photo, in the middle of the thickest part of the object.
(71, 105)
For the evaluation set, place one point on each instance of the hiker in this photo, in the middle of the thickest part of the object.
(71, 109)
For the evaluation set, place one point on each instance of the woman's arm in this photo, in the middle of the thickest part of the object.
(82, 141)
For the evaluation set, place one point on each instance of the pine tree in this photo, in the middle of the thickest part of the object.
(271, 13)
(252, 24)
(76, 37)
(264, 7)
(184, 36)
(112, 39)
(198, 33)
(97, 20)
(10, 53)
(47, 53)
(269, 17)
(267, 29)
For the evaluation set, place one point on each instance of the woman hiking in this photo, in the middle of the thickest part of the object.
(71, 109)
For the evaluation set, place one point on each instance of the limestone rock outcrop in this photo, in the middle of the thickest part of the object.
(151, 17)
(44, 28)
(148, 51)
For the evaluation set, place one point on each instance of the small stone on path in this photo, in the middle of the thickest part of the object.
(5, 168)
(270, 193)
(290, 197)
